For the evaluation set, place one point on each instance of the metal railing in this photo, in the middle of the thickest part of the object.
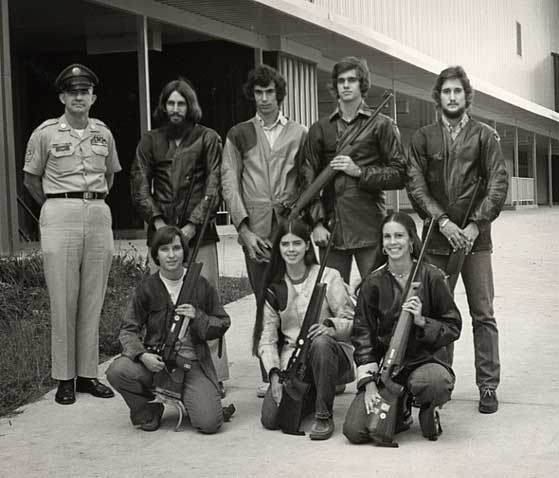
(522, 191)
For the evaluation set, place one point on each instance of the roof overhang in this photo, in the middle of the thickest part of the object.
(310, 32)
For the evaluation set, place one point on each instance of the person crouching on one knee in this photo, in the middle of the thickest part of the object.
(286, 293)
(149, 311)
(426, 373)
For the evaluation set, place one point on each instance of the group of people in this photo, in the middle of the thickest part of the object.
(260, 170)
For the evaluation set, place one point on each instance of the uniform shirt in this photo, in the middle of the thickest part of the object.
(68, 162)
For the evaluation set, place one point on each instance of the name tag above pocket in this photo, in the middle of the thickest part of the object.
(62, 147)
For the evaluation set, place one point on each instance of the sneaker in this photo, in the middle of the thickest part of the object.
(488, 402)
(321, 429)
(430, 422)
(262, 389)
(155, 422)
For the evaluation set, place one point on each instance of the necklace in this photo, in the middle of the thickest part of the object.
(301, 279)
(401, 275)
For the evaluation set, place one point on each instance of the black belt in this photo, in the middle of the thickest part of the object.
(78, 195)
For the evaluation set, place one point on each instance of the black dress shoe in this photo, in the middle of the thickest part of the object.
(94, 387)
(65, 394)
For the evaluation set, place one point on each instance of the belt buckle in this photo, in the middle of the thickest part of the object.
(89, 195)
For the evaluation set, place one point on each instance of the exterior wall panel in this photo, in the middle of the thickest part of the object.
(485, 44)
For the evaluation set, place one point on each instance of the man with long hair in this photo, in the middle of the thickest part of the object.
(174, 174)
(447, 159)
(374, 163)
(259, 171)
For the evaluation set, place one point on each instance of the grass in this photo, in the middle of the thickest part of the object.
(25, 321)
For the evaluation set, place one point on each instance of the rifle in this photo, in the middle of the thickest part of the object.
(323, 179)
(383, 418)
(456, 259)
(169, 381)
(292, 406)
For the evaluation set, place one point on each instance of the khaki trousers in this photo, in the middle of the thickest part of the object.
(77, 244)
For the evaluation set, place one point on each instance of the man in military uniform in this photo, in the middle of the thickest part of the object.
(69, 167)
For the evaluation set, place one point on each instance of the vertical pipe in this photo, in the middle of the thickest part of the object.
(143, 72)
(9, 224)
(549, 173)
(535, 167)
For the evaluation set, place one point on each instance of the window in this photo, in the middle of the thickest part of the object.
(518, 39)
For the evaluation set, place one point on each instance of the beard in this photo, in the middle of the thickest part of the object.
(454, 114)
(177, 130)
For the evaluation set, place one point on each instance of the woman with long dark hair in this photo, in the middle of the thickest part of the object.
(286, 292)
(426, 374)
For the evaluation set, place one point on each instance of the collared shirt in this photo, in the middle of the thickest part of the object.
(454, 131)
(274, 130)
(341, 124)
(68, 162)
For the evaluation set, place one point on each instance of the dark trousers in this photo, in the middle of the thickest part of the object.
(477, 275)
(326, 364)
(341, 260)
(200, 396)
(431, 385)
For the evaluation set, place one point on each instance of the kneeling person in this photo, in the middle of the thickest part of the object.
(150, 309)
(288, 287)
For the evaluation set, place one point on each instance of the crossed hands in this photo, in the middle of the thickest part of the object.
(460, 238)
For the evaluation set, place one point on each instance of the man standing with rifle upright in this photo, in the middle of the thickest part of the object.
(449, 160)
(371, 164)
(176, 167)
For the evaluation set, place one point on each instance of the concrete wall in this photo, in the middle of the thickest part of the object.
(487, 34)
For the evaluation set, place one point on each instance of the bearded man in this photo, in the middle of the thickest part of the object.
(174, 174)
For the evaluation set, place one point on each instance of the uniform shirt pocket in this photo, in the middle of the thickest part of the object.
(99, 155)
(62, 159)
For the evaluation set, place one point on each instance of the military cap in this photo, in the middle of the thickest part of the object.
(76, 75)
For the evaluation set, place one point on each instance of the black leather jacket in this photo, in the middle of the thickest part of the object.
(359, 203)
(378, 308)
(443, 173)
(196, 160)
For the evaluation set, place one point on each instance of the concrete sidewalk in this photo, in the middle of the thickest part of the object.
(93, 437)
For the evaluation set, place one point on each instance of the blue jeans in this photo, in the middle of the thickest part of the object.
(477, 276)
(200, 396)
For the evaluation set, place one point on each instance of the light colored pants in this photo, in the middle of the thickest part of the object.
(77, 244)
(207, 255)
(200, 397)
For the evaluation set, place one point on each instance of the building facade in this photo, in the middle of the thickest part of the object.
(510, 49)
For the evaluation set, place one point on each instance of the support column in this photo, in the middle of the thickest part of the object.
(258, 60)
(143, 72)
(395, 118)
(550, 172)
(9, 226)
(535, 167)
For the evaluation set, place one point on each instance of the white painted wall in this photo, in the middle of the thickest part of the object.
(478, 34)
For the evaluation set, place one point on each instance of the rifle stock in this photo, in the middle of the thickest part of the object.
(383, 419)
(169, 381)
(292, 405)
(327, 174)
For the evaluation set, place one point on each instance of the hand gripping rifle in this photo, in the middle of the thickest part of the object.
(169, 381)
(456, 259)
(383, 418)
(343, 147)
(291, 408)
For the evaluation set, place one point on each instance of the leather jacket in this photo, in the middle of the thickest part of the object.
(150, 310)
(191, 169)
(358, 202)
(443, 174)
(378, 308)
